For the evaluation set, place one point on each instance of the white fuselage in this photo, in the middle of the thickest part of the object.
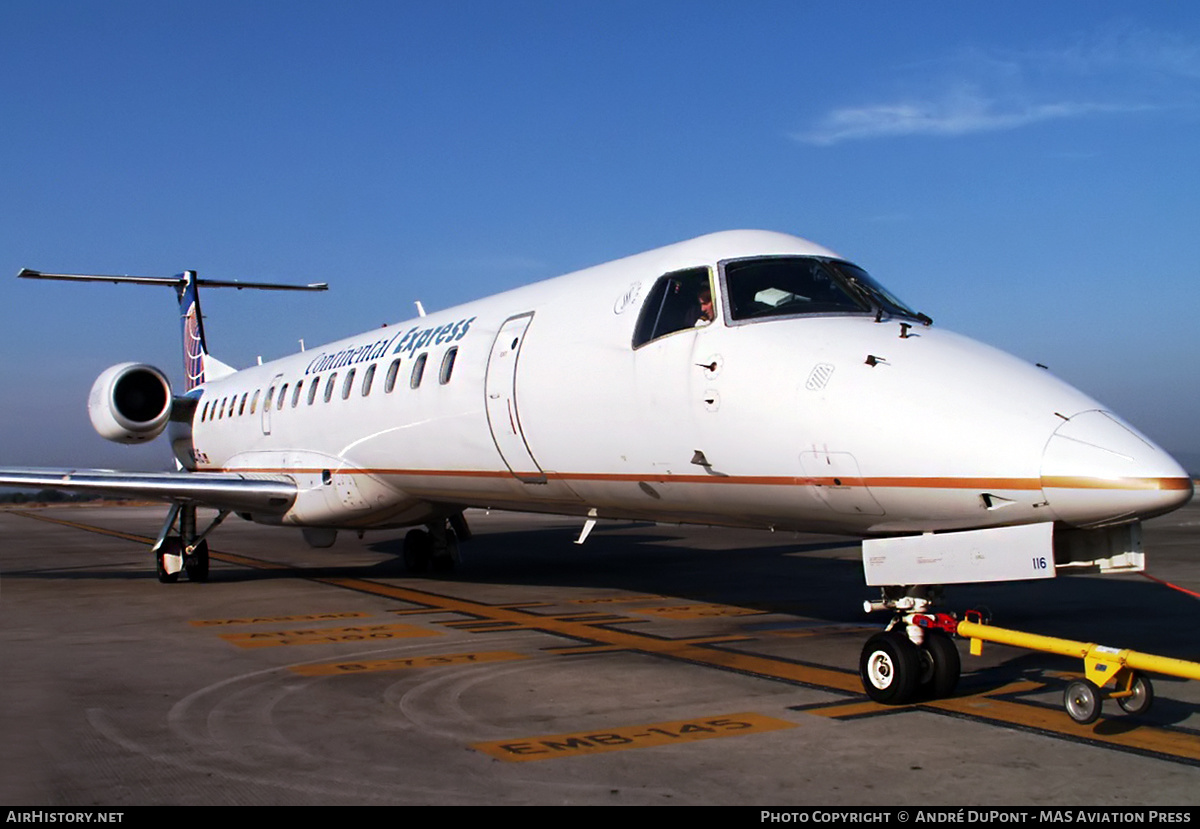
(841, 422)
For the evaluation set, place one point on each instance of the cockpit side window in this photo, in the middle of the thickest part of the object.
(677, 302)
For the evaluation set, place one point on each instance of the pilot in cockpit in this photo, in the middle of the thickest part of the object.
(705, 316)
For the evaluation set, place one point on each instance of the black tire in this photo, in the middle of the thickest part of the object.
(170, 546)
(196, 565)
(940, 665)
(889, 668)
(1082, 701)
(418, 551)
(446, 560)
(1141, 699)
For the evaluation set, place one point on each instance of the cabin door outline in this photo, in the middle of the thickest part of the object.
(276, 384)
(500, 400)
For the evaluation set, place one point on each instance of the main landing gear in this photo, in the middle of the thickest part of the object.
(186, 552)
(436, 547)
(915, 658)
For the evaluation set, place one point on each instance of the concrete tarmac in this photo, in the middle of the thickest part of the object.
(652, 665)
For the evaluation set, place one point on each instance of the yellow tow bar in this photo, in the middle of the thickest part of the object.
(1102, 666)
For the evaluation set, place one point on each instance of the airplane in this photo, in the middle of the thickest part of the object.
(743, 378)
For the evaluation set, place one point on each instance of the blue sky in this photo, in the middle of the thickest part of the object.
(1026, 173)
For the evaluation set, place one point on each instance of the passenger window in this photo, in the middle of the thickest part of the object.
(348, 384)
(368, 377)
(447, 366)
(282, 396)
(254, 400)
(221, 411)
(417, 370)
(242, 406)
(296, 393)
(312, 390)
(677, 302)
(204, 413)
(393, 370)
(267, 400)
(329, 386)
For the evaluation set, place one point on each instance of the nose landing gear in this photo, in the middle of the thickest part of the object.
(915, 658)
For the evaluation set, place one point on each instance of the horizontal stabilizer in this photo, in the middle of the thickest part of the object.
(170, 281)
(199, 366)
(259, 494)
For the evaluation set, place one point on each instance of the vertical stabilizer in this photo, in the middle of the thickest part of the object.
(195, 348)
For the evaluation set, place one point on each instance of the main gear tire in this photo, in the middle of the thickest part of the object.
(418, 551)
(171, 546)
(196, 564)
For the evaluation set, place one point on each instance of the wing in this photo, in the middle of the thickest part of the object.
(259, 494)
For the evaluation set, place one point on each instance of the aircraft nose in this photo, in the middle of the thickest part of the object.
(1097, 470)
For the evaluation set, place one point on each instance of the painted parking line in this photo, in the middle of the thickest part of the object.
(361, 666)
(262, 620)
(326, 636)
(1009, 706)
(580, 743)
(823, 630)
(695, 611)
(993, 706)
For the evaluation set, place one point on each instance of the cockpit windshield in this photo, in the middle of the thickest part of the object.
(784, 286)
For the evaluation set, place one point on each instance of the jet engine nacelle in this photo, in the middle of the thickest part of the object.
(130, 403)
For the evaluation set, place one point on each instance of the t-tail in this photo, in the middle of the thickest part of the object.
(195, 347)
(198, 365)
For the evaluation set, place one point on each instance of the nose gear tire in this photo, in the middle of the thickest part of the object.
(890, 668)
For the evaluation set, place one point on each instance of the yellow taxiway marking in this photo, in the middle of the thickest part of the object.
(631, 736)
(695, 650)
(326, 636)
(433, 661)
(848, 710)
(1116, 732)
(821, 630)
(863, 708)
(696, 611)
(87, 527)
(262, 620)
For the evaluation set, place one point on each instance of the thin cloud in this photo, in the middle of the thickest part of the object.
(953, 115)
(1115, 70)
(1124, 49)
